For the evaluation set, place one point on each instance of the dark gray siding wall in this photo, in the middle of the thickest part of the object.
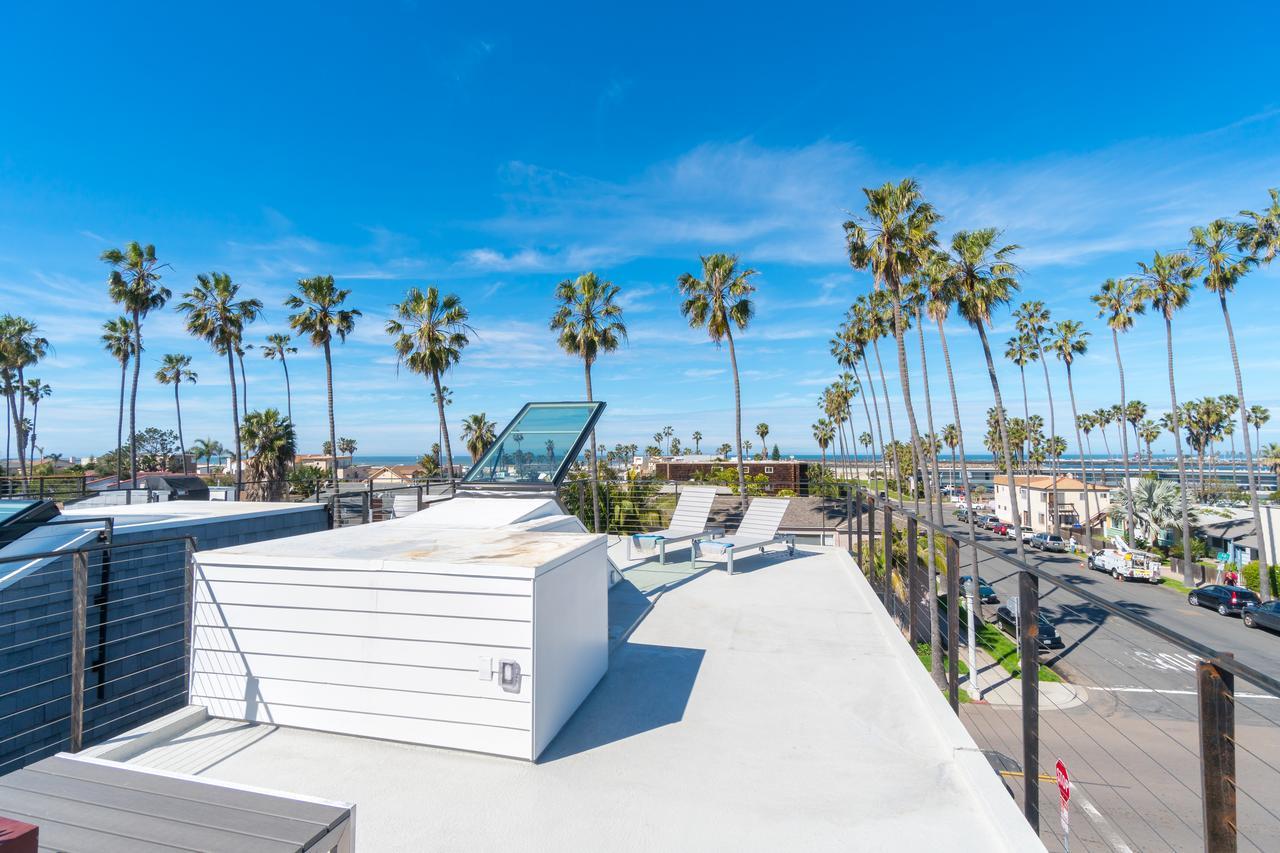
(134, 669)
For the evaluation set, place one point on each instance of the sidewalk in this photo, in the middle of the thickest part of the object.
(994, 685)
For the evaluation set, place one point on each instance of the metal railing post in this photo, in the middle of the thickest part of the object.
(857, 505)
(953, 624)
(79, 610)
(869, 555)
(887, 535)
(1029, 643)
(370, 501)
(1216, 693)
(188, 610)
(419, 497)
(913, 582)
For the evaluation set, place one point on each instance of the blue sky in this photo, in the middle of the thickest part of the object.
(497, 150)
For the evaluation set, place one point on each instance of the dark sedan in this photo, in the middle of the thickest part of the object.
(986, 594)
(1262, 615)
(1008, 621)
(1222, 598)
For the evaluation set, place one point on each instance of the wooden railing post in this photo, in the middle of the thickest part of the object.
(1216, 689)
(79, 611)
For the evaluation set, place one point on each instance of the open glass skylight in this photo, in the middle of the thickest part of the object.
(536, 449)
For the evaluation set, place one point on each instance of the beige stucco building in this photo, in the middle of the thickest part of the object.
(1039, 517)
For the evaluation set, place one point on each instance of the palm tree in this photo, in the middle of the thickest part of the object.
(697, 442)
(174, 370)
(1270, 456)
(135, 284)
(35, 391)
(1070, 340)
(206, 448)
(984, 281)
(1148, 432)
(1119, 302)
(478, 433)
(951, 438)
(762, 430)
(589, 321)
(117, 338)
(1020, 352)
(1033, 323)
(1222, 248)
(430, 334)
(1166, 283)
(244, 378)
(718, 302)
(893, 241)
(272, 445)
(1260, 232)
(824, 433)
(21, 346)
(1134, 412)
(278, 346)
(347, 447)
(1154, 503)
(1258, 417)
(216, 315)
(320, 317)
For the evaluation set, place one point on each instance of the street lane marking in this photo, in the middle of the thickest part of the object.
(1168, 661)
(1178, 692)
(1096, 818)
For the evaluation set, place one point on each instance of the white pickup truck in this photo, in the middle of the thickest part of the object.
(1125, 563)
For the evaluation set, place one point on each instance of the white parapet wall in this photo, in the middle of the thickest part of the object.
(405, 631)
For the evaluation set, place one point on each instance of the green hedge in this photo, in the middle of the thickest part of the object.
(1249, 575)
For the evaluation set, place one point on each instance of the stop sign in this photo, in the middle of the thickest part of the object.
(1064, 782)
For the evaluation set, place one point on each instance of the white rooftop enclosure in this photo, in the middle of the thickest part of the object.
(476, 639)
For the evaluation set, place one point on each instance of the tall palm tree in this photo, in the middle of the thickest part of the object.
(1069, 340)
(207, 449)
(174, 370)
(35, 391)
(697, 442)
(21, 346)
(430, 334)
(589, 320)
(117, 338)
(865, 325)
(1166, 284)
(824, 433)
(984, 280)
(1119, 302)
(1020, 352)
(134, 283)
(271, 444)
(1134, 412)
(1148, 433)
(278, 346)
(762, 430)
(478, 432)
(217, 315)
(951, 438)
(244, 378)
(347, 447)
(718, 302)
(1223, 250)
(321, 317)
(1033, 323)
(1260, 232)
(1258, 417)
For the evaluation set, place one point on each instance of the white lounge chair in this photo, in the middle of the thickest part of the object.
(759, 529)
(689, 520)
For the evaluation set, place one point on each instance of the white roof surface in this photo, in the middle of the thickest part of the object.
(778, 709)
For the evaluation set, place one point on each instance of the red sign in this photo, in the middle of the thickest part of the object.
(1064, 782)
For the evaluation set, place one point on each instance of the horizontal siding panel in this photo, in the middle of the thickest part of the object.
(381, 579)
(362, 700)
(375, 649)
(457, 682)
(355, 623)
(512, 742)
(517, 608)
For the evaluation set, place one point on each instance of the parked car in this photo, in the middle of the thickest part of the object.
(1008, 622)
(1048, 542)
(986, 594)
(1000, 529)
(1225, 599)
(1258, 615)
(962, 513)
(988, 522)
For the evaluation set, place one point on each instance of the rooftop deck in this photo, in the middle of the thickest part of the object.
(775, 709)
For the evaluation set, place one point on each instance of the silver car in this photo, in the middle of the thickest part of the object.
(1048, 542)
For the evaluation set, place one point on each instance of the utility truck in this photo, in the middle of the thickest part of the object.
(1125, 563)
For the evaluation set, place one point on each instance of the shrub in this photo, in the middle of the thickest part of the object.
(1249, 577)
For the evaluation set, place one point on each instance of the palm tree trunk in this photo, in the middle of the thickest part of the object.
(35, 419)
(737, 420)
(1124, 441)
(1026, 445)
(19, 427)
(871, 431)
(124, 373)
(288, 392)
(244, 385)
(182, 444)
(904, 377)
(935, 631)
(595, 493)
(133, 395)
(1053, 459)
(893, 440)
(964, 473)
(1264, 573)
(1004, 439)
(1084, 468)
(235, 424)
(333, 432)
(444, 427)
(1182, 465)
